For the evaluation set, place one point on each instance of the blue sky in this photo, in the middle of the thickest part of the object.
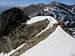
(28, 2)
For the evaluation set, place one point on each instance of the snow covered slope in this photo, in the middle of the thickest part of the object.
(59, 43)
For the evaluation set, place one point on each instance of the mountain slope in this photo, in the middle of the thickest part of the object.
(36, 31)
(35, 8)
(43, 22)
(59, 43)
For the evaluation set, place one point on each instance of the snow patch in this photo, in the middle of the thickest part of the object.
(40, 18)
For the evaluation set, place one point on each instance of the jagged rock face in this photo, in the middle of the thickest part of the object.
(10, 19)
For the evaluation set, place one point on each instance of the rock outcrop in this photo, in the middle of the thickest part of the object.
(10, 19)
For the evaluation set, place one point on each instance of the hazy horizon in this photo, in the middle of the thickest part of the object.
(29, 2)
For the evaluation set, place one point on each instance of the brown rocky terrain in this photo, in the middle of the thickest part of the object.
(22, 34)
(35, 39)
